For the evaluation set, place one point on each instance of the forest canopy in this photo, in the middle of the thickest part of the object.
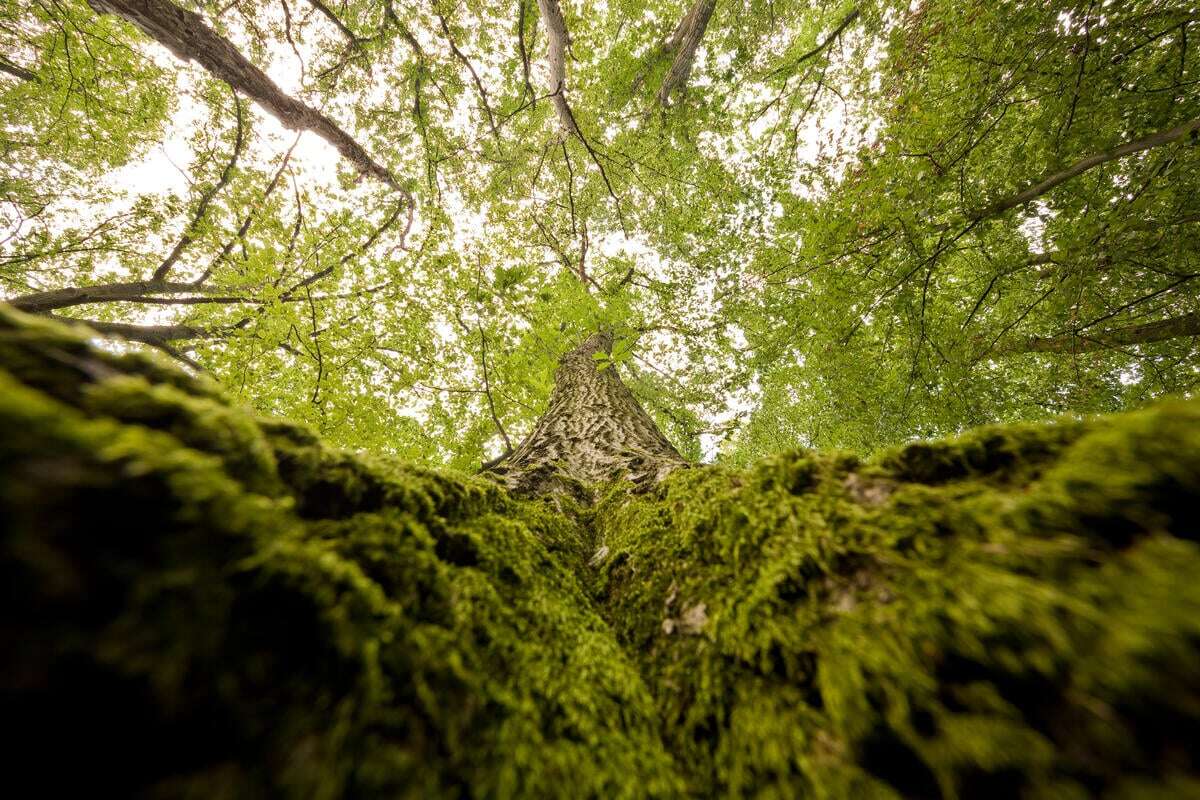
(826, 224)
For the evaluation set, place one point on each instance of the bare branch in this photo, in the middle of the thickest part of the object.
(156, 335)
(487, 388)
(822, 45)
(327, 12)
(528, 90)
(466, 62)
(9, 68)
(42, 302)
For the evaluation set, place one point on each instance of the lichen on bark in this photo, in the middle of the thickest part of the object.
(201, 601)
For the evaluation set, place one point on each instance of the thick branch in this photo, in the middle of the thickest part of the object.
(1083, 165)
(42, 302)
(156, 335)
(189, 37)
(1172, 328)
(557, 40)
(9, 68)
(684, 42)
(556, 53)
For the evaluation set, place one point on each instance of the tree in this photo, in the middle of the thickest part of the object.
(566, 250)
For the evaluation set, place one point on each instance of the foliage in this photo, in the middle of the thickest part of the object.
(796, 238)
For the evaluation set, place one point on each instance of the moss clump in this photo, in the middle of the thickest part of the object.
(199, 602)
(1011, 614)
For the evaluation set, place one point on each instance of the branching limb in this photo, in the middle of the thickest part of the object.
(189, 232)
(1083, 165)
(187, 35)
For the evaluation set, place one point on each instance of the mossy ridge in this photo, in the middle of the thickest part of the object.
(274, 618)
(1011, 613)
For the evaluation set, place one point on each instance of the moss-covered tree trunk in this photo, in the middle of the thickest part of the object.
(202, 602)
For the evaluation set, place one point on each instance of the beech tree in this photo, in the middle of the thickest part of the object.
(601, 399)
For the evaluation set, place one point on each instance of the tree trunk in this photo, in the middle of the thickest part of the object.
(594, 431)
(1013, 613)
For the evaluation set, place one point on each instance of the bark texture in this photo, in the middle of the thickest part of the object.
(202, 602)
(1185, 325)
(594, 431)
(684, 42)
(557, 41)
(130, 291)
(188, 36)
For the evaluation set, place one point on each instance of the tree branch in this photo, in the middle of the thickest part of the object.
(42, 302)
(1082, 166)
(487, 389)
(1170, 328)
(156, 335)
(466, 62)
(684, 42)
(188, 36)
(9, 68)
(821, 46)
(556, 57)
(189, 232)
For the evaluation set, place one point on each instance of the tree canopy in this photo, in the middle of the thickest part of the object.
(806, 223)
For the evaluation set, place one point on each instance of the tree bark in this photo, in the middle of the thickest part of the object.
(41, 302)
(187, 35)
(557, 40)
(1081, 342)
(593, 431)
(683, 43)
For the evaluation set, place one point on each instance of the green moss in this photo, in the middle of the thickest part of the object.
(1012, 613)
(271, 617)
